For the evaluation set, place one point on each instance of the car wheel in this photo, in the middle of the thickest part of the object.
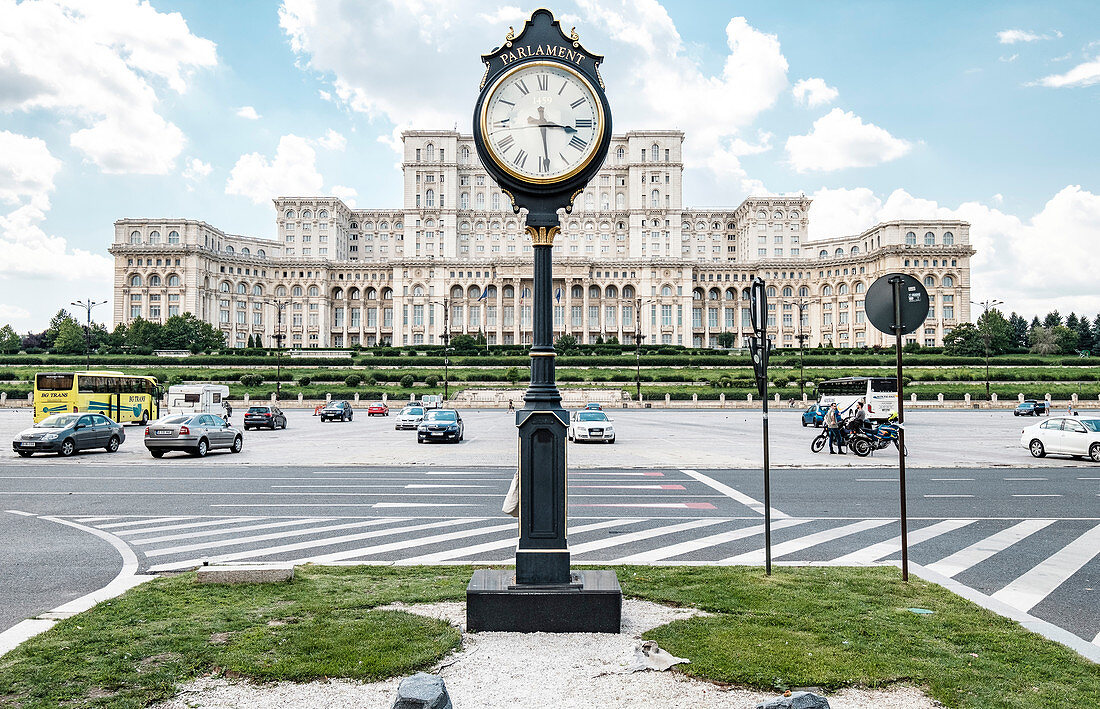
(1094, 452)
(817, 444)
(284, 424)
(612, 441)
(157, 454)
(68, 447)
(419, 439)
(24, 454)
(247, 428)
(112, 445)
(1037, 449)
(201, 449)
(804, 424)
(238, 444)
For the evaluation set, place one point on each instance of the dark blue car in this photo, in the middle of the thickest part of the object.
(814, 416)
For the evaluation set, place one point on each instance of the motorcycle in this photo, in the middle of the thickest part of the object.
(869, 440)
(847, 438)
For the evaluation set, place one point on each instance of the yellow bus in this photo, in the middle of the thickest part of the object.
(120, 397)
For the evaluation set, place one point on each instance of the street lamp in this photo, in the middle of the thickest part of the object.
(446, 343)
(88, 305)
(638, 347)
(278, 305)
(986, 305)
(801, 305)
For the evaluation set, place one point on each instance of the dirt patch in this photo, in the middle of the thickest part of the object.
(220, 638)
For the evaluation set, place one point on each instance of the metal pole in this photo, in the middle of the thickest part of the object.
(88, 305)
(897, 282)
(767, 477)
(446, 341)
(638, 350)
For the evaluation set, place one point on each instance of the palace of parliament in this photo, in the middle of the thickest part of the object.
(630, 258)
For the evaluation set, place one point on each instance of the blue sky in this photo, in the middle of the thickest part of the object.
(981, 111)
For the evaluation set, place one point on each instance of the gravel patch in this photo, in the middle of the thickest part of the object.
(506, 670)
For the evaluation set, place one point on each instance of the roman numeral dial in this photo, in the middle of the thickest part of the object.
(542, 122)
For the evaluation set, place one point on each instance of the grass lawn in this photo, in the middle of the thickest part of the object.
(827, 627)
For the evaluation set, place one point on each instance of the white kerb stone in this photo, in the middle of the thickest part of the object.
(245, 573)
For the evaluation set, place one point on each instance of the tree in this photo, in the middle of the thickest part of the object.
(964, 341)
(1085, 339)
(251, 344)
(1053, 318)
(1034, 324)
(1071, 321)
(565, 343)
(142, 333)
(727, 340)
(9, 341)
(54, 329)
(996, 332)
(1066, 339)
(613, 340)
(1043, 340)
(463, 343)
(117, 338)
(1019, 330)
(70, 338)
(512, 374)
(1096, 331)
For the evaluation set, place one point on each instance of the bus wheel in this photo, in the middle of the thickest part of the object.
(67, 448)
(112, 445)
(144, 418)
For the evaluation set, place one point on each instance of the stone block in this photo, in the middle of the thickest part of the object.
(245, 573)
(796, 700)
(422, 691)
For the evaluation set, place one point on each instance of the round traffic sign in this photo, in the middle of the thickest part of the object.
(880, 308)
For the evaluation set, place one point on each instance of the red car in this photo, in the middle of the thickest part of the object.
(378, 409)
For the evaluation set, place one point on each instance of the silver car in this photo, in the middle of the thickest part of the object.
(410, 417)
(66, 434)
(195, 433)
(590, 425)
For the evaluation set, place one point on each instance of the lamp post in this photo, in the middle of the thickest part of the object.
(446, 343)
(638, 303)
(88, 305)
(278, 305)
(801, 305)
(986, 305)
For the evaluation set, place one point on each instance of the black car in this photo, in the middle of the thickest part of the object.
(336, 410)
(440, 425)
(1031, 407)
(264, 417)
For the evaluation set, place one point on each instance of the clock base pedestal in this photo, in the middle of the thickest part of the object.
(590, 602)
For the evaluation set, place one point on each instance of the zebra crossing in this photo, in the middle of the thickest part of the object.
(1004, 558)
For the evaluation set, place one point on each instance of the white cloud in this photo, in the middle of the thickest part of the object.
(347, 194)
(1034, 264)
(333, 141)
(1085, 74)
(813, 92)
(196, 170)
(248, 112)
(101, 63)
(653, 79)
(1014, 36)
(293, 171)
(27, 170)
(841, 139)
(13, 312)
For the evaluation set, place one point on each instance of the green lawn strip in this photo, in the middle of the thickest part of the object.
(811, 626)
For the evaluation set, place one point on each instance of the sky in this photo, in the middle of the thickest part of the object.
(878, 110)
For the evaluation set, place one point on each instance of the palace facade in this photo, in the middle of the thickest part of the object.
(631, 257)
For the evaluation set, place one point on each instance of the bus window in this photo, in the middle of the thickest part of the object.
(54, 382)
(884, 384)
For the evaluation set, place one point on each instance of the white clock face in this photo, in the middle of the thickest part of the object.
(542, 122)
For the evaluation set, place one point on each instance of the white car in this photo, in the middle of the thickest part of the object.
(410, 417)
(1068, 436)
(591, 426)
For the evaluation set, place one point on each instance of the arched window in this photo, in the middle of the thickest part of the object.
(589, 202)
(823, 254)
(666, 290)
(491, 292)
(731, 294)
(620, 154)
(387, 294)
(429, 198)
(418, 291)
(224, 287)
(306, 214)
(714, 294)
(655, 153)
(842, 289)
(620, 201)
(245, 251)
(229, 250)
(838, 252)
(154, 280)
(929, 239)
(464, 200)
(261, 253)
(314, 291)
(948, 239)
(855, 250)
(496, 202)
(611, 292)
(910, 239)
(777, 215)
(761, 214)
(135, 237)
(628, 292)
(173, 281)
(746, 294)
(859, 287)
(174, 237)
(297, 291)
(289, 214)
(826, 290)
(154, 237)
(353, 225)
(594, 292)
(948, 281)
(135, 280)
(257, 290)
(771, 291)
(655, 198)
(525, 294)
(929, 282)
(473, 293)
(480, 200)
(465, 154)
(457, 292)
(576, 292)
(372, 294)
(337, 293)
(697, 294)
(323, 214)
(430, 152)
(353, 294)
(804, 292)
(242, 288)
(508, 292)
(788, 291)
(280, 291)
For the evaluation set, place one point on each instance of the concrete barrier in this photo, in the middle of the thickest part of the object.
(245, 573)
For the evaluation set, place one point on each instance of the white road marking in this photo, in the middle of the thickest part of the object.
(229, 530)
(511, 542)
(400, 505)
(312, 543)
(236, 541)
(1036, 495)
(407, 543)
(146, 520)
(691, 545)
(731, 493)
(89, 520)
(651, 505)
(1038, 583)
(960, 561)
(1025, 478)
(627, 487)
(876, 480)
(650, 474)
(875, 552)
(1096, 640)
(21, 513)
(949, 496)
(440, 485)
(188, 525)
(757, 556)
(951, 480)
(642, 535)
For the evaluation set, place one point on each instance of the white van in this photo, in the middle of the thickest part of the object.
(195, 399)
(432, 401)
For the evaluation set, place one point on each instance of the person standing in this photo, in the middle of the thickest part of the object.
(832, 427)
(228, 410)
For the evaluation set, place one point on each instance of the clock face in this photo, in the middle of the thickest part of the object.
(542, 122)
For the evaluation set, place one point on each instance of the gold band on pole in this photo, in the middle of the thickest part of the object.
(543, 354)
(543, 236)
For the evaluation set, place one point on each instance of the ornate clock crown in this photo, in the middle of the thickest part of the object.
(542, 38)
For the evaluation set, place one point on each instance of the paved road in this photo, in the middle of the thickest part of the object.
(1028, 537)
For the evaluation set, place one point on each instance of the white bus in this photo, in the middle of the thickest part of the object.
(196, 399)
(879, 393)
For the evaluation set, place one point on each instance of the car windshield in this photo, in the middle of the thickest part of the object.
(1092, 425)
(378, 403)
(441, 416)
(258, 410)
(336, 405)
(414, 411)
(1026, 405)
(591, 416)
(172, 420)
(58, 421)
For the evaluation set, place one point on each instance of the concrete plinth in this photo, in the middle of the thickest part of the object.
(245, 573)
(591, 603)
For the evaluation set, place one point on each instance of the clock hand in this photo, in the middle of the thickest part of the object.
(545, 150)
(567, 129)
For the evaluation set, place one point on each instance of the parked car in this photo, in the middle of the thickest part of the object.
(593, 406)
(410, 417)
(590, 425)
(196, 434)
(1031, 407)
(378, 408)
(440, 425)
(1067, 436)
(336, 410)
(814, 416)
(432, 401)
(66, 434)
(264, 417)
